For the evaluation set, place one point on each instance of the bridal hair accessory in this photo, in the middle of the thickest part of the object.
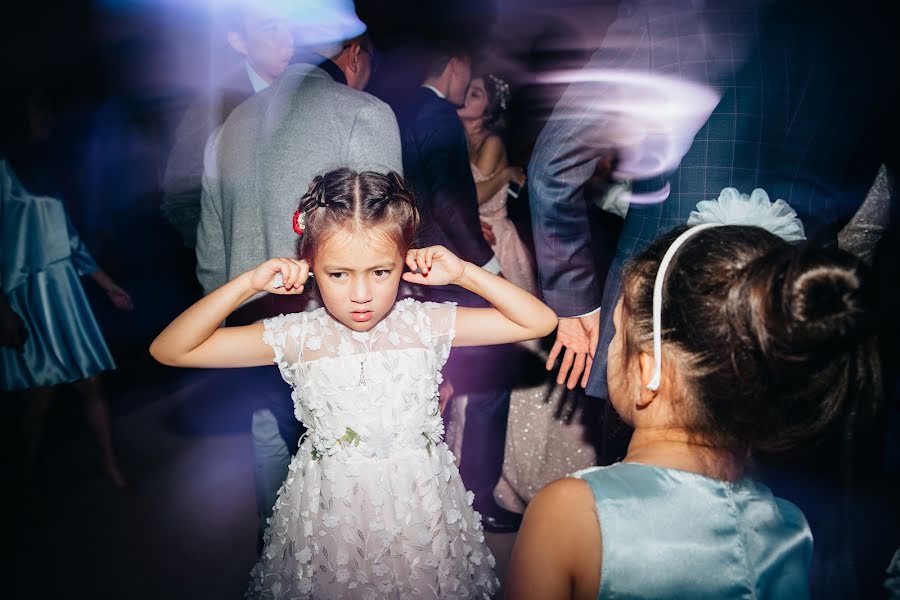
(502, 90)
(731, 208)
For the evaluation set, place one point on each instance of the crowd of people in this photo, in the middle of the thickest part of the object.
(365, 249)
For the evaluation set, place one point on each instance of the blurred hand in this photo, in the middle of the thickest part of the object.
(294, 274)
(434, 265)
(488, 232)
(119, 297)
(579, 337)
(515, 175)
(445, 392)
(13, 332)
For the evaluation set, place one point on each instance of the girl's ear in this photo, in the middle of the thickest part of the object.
(354, 57)
(647, 365)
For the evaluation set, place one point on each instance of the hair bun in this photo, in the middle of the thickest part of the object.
(823, 299)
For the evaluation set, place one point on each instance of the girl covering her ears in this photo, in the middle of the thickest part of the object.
(762, 345)
(373, 505)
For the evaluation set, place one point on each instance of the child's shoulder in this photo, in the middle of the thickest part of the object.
(303, 318)
(421, 307)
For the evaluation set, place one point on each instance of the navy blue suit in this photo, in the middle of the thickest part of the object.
(436, 163)
(809, 114)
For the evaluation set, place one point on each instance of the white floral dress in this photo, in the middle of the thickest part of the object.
(373, 505)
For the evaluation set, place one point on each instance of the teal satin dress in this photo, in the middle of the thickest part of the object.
(674, 534)
(41, 263)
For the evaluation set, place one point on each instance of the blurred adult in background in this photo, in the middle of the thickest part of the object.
(543, 440)
(809, 116)
(483, 118)
(674, 38)
(351, 62)
(256, 167)
(48, 333)
(266, 44)
(436, 162)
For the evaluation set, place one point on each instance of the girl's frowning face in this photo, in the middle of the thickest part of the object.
(358, 274)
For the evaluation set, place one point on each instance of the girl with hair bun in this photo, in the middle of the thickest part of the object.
(373, 505)
(729, 340)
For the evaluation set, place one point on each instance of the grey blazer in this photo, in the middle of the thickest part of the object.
(262, 160)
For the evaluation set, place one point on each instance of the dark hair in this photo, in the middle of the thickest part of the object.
(498, 99)
(443, 50)
(771, 341)
(360, 201)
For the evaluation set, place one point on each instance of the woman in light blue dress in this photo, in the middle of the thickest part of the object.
(48, 333)
(758, 345)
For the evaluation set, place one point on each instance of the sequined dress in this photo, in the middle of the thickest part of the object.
(373, 505)
(515, 259)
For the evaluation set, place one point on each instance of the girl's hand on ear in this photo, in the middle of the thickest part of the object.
(293, 275)
(434, 265)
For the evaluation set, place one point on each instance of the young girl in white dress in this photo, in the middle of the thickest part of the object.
(373, 505)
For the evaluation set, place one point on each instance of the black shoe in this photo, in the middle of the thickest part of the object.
(500, 520)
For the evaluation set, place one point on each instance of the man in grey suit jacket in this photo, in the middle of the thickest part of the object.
(256, 168)
(266, 44)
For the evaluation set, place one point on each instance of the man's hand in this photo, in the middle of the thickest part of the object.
(579, 336)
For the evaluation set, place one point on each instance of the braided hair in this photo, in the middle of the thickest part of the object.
(344, 199)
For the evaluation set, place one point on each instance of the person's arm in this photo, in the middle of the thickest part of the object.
(558, 550)
(119, 297)
(194, 338)
(516, 316)
(564, 158)
(211, 254)
(85, 264)
(182, 180)
(492, 163)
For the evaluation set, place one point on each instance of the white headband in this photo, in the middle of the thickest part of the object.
(657, 299)
(731, 208)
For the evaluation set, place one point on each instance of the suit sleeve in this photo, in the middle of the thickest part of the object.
(211, 230)
(375, 140)
(564, 158)
(82, 260)
(454, 200)
(182, 180)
